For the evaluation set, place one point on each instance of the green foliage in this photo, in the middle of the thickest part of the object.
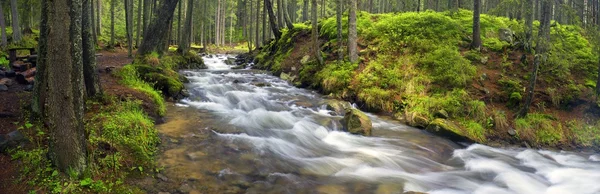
(585, 134)
(448, 68)
(336, 77)
(475, 131)
(473, 56)
(539, 129)
(4, 62)
(129, 77)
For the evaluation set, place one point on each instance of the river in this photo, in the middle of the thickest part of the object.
(244, 131)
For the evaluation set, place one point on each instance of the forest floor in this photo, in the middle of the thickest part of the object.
(17, 98)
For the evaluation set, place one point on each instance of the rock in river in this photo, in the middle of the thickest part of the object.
(357, 122)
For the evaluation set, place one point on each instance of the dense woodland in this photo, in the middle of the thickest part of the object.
(521, 72)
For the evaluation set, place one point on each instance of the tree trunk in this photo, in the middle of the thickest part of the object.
(338, 18)
(146, 16)
(528, 24)
(3, 26)
(288, 21)
(158, 29)
(65, 86)
(99, 19)
(352, 34)
(15, 21)
(305, 10)
(218, 23)
(476, 44)
(279, 14)
(179, 26)
(272, 19)
(93, 20)
(541, 48)
(92, 82)
(315, 33)
(38, 102)
(112, 23)
(129, 26)
(265, 31)
(139, 23)
(184, 44)
(257, 30)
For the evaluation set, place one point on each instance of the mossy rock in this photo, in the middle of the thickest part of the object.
(448, 129)
(337, 106)
(146, 69)
(357, 122)
(168, 85)
(416, 120)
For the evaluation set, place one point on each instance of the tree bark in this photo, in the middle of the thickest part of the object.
(99, 19)
(257, 30)
(158, 29)
(112, 23)
(315, 33)
(540, 53)
(184, 44)
(288, 21)
(352, 33)
(65, 86)
(139, 23)
(272, 19)
(476, 44)
(91, 79)
(528, 24)
(279, 14)
(93, 20)
(38, 102)
(4, 41)
(15, 21)
(129, 26)
(338, 18)
(305, 10)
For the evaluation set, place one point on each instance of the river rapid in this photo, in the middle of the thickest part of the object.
(245, 131)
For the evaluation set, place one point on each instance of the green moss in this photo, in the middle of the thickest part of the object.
(448, 68)
(475, 131)
(585, 134)
(130, 77)
(539, 129)
(336, 77)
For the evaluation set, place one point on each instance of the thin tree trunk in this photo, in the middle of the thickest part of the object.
(157, 31)
(15, 21)
(288, 21)
(265, 31)
(315, 33)
(528, 24)
(92, 82)
(184, 44)
(476, 44)
(279, 14)
(339, 30)
(129, 26)
(146, 15)
(99, 18)
(274, 27)
(352, 34)
(93, 20)
(3, 26)
(65, 86)
(305, 10)
(112, 22)
(257, 30)
(40, 86)
(139, 23)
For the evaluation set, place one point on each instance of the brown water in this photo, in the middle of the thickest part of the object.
(232, 136)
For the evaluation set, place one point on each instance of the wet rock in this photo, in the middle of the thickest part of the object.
(441, 114)
(10, 73)
(389, 188)
(287, 77)
(261, 84)
(357, 122)
(448, 129)
(162, 177)
(3, 87)
(338, 107)
(195, 155)
(7, 81)
(185, 188)
(12, 140)
(332, 189)
(416, 120)
(512, 132)
(236, 81)
(28, 88)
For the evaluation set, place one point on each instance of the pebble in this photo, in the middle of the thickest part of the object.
(162, 177)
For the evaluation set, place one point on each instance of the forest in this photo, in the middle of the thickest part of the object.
(109, 96)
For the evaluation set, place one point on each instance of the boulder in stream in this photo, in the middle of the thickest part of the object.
(357, 122)
(338, 107)
(448, 129)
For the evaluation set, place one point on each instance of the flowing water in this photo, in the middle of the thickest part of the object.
(248, 132)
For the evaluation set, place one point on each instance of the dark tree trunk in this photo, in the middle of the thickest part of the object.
(272, 19)
(305, 10)
(113, 4)
(352, 33)
(179, 26)
(129, 26)
(540, 53)
(157, 31)
(3, 26)
(528, 25)
(476, 44)
(257, 30)
(15, 21)
(65, 86)
(338, 18)
(288, 21)
(279, 14)
(139, 23)
(184, 44)
(146, 16)
(98, 18)
(38, 103)
(92, 82)
(315, 33)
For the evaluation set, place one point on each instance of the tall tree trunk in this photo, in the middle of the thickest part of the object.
(315, 33)
(305, 10)
(218, 23)
(352, 33)
(139, 23)
(272, 19)
(157, 31)
(113, 4)
(528, 24)
(99, 18)
(179, 26)
(338, 18)
(15, 21)
(65, 86)
(257, 30)
(265, 30)
(279, 14)
(288, 21)
(38, 103)
(129, 26)
(476, 44)
(3, 26)
(92, 82)
(146, 16)
(184, 44)
(541, 48)
(93, 20)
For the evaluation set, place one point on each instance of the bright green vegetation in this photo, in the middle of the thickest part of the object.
(130, 78)
(418, 64)
(121, 140)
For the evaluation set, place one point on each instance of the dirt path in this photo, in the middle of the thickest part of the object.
(13, 101)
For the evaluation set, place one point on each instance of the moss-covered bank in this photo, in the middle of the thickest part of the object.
(417, 66)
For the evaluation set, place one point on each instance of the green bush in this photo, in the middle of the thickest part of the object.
(448, 68)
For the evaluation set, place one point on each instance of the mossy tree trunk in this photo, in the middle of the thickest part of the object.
(352, 33)
(274, 27)
(38, 103)
(98, 18)
(91, 79)
(184, 43)
(528, 6)
(286, 15)
(257, 22)
(65, 85)
(338, 17)
(3, 26)
(541, 49)
(304, 10)
(315, 33)
(476, 44)
(157, 32)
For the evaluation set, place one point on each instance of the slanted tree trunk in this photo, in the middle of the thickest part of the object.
(476, 44)
(272, 19)
(288, 21)
(338, 18)
(3, 26)
(92, 82)
(541, 48)
(184, 44)
(15, 21)
(315, 33)
(157, 31)
(129, 26)
(113, 4)
(65, 86)
(352, 33)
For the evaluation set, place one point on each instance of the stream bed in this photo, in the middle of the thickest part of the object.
(245, 131)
